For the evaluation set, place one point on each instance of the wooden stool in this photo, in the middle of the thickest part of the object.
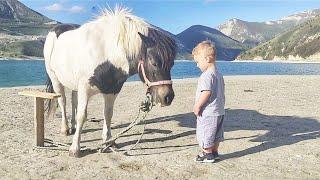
(39, 112)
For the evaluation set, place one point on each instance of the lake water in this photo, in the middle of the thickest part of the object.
(26, 73)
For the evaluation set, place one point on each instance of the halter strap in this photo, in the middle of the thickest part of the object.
(146, 80)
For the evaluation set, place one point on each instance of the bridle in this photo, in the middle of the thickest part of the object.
(146, 80)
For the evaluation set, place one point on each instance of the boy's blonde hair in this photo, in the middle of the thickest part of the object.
(207, 48)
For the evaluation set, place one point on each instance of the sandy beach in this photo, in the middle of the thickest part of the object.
(272, 131)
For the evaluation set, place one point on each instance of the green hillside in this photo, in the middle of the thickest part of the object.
(255, 33)
(22, 49)
(22, 30)
(299, 43)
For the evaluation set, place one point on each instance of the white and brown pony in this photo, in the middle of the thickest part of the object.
(99, 56)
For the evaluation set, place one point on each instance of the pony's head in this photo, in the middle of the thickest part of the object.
(145, 46)
(157, 58)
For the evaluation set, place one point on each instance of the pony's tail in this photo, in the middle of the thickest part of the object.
(50, 104)
(47, 52)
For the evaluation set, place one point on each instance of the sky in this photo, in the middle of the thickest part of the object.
(175, 15)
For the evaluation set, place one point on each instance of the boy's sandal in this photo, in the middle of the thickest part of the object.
(205, 158)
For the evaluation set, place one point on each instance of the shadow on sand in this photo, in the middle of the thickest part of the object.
(281, 130)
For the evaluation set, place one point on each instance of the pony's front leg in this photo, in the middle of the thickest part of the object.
(83, 97)
(108, 112)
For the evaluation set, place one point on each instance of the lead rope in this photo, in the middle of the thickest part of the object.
(146, 107)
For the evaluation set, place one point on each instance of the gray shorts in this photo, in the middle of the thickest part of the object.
(209, 130)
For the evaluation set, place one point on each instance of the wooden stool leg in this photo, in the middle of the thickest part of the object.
(39, 121)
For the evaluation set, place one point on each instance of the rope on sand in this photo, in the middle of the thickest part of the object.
(54, 146)
(146, 107)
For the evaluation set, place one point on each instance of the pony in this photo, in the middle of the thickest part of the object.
(98, 57)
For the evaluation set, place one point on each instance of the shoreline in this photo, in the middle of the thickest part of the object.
(185, 60)
(187, 80)
(279, 61)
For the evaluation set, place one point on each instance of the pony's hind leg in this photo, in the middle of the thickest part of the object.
(59, 88)
(108, 112)
(74, 111)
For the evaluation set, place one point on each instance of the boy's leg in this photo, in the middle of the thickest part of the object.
(218, 137)
(212, 149)
(209, 149)
(215, 147)
(215, 151)
(207, 133)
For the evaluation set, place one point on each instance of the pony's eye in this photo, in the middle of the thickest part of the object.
(153, 62)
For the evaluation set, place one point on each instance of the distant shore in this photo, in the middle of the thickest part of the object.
(20, 59)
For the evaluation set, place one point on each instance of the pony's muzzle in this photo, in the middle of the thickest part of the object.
(163, 94)
(168, 99)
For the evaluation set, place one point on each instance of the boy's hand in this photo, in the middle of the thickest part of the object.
(204, 96)
(196, 110)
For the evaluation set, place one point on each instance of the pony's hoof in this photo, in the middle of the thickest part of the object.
(104, 150)
(112, 148)
(74, 153)
(114, 145)
(72, 131)
(64, 132)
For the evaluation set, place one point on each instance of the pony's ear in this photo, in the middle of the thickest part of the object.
(147, 41)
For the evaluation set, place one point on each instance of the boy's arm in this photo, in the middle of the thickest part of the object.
(204, 97)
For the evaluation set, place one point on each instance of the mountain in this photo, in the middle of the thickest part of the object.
(227, 48)
(254, 33)
(299, 43)
(182, 52)
(13, 10)
(18, 19)
(22, 30)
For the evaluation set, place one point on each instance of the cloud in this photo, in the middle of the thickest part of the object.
(54, 7)
(59, 7)
(76, 9)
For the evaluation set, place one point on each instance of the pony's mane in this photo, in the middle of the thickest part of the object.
(165, 46)
(128, 26)
(120, 11)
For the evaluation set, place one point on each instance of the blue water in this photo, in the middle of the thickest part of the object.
(25, 73)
